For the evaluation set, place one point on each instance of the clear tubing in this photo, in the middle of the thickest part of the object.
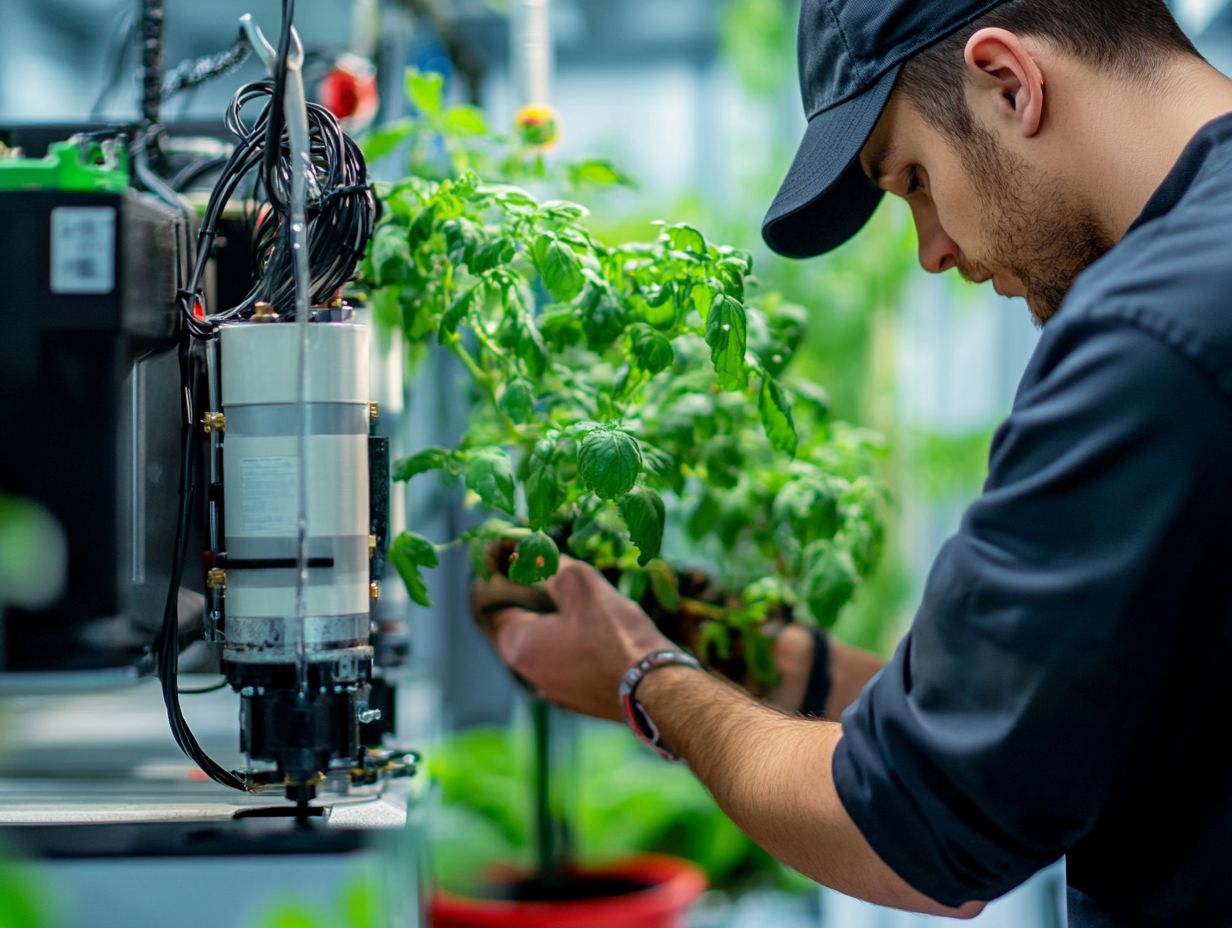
(297, 128)
(295, 108)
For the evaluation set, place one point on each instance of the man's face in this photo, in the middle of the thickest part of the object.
(982, 209)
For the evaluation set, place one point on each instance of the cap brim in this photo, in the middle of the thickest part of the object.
(826, 198)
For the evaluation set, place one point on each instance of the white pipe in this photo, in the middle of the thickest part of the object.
(533, 54)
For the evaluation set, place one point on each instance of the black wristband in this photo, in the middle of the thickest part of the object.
(817, 690)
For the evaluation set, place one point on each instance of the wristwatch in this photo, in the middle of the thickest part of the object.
(637, 718)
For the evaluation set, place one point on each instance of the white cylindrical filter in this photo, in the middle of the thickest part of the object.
(261, 491)
(532, 51)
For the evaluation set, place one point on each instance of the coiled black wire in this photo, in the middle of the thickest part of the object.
(341, 209)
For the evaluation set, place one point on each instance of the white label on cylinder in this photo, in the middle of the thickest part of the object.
(268, 494)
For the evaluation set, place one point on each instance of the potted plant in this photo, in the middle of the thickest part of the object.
(633, 404)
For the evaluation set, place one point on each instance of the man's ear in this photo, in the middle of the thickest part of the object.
(1006, 78)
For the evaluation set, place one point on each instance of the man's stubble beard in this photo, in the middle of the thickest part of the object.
(1043, 236)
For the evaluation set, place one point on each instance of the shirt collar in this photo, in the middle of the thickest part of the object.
(1185, 171)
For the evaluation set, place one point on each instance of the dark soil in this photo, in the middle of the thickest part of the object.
(572, 889)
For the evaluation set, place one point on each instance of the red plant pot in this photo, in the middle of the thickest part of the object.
(665, 889)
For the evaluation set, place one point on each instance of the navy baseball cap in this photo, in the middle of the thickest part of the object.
(851, 54)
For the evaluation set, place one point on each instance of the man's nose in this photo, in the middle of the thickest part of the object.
(938, 252)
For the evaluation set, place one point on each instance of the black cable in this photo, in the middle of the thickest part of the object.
(168, 644)
(197, 71)
(152, 19)
(276, 123)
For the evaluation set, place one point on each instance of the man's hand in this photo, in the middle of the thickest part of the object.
(571, 642)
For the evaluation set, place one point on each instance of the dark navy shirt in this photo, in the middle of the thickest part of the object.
(1066, 688)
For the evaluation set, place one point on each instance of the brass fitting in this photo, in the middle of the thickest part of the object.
(374, 590)
(214, 422)
(371, 547)
(374, 411)
(216, 579)
(264, 312)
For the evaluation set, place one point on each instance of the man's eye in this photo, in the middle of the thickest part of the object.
(913, 183)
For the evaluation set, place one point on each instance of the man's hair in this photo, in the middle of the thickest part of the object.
(1131, 38)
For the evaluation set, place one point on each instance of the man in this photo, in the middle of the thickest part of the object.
(1064, 689)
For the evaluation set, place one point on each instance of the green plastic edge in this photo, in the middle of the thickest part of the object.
(69, 166)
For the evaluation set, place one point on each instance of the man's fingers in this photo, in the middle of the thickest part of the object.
(488, 596)
(513, 632)
(574, 579)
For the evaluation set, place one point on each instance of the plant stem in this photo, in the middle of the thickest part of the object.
(701, 610)
(552, 837)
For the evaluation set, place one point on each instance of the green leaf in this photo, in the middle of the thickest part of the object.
(465, 121)
(603, 318)
(426, 460)
(560, 268)
(645, 515)
(489, 474)
(477, 554)
(657, 307)
(703, 295)
(828, 583)
(714, 642)
(543, 492)
(532, 349)
(462, 238)
(596, 172)
(683, 237)
(497, 253)
(426, 90)
(724, 462)
(408, 554)
(759, 655)
(609, 461)
(561, 329)
(564, 211)
(535, 558)
(385, 140)
(727, 336)
(390, 254)
(632, 584)
(421, 226)
(651, 351)
(731, 273)
(665, 585)
(776, 417)
(704, 517)
(810, 508)
(458, 310)
(518, 401)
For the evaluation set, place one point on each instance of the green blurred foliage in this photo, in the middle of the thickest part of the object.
(24, 896)
(952, 466)
(360, 905)
(630, 802)
(33, 557)
(754, 35)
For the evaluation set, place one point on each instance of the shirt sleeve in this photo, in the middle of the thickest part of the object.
(1050, 623)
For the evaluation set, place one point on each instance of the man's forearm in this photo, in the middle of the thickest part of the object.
(770, 773)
